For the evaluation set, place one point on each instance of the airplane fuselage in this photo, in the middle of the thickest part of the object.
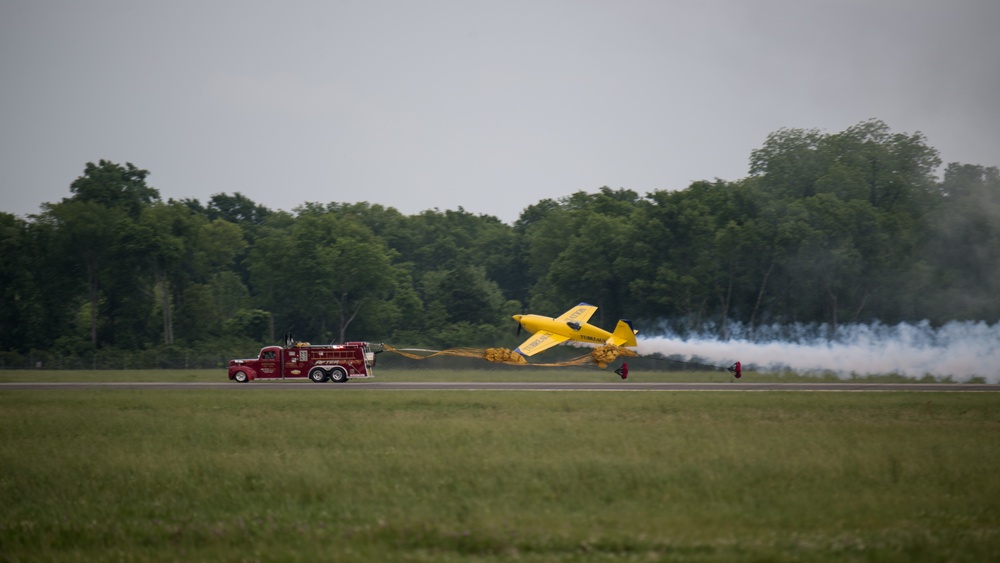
(571, 325)
(584, 332)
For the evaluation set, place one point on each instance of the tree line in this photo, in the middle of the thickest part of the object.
(827, 228)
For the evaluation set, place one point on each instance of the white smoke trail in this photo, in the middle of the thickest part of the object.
(957, 350)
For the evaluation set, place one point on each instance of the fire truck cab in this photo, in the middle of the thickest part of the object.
(333, 362)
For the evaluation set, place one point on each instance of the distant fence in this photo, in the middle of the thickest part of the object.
(179, 358)
(104, 360)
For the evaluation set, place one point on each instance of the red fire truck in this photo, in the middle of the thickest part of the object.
(333, 362)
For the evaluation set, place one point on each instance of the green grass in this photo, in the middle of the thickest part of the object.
(134, 475)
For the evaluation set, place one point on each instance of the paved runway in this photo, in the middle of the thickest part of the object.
(511, 386)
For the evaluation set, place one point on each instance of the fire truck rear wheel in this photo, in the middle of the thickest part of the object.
(241, 377)
(318, 375)
(338, 375)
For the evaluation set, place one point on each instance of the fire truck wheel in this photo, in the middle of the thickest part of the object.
(318, 375)
(338, 375)
(241, 377)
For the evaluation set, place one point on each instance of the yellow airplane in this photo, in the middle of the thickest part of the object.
(571, 325)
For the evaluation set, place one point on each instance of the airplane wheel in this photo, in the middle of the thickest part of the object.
(317, 375)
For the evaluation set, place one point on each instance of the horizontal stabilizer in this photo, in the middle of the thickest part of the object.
(624, 334)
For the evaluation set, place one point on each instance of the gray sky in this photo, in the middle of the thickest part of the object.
(491, 106)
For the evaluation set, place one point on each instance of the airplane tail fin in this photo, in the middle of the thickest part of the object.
(624, 334)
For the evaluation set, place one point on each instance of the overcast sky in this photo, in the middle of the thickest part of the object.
(487, 105)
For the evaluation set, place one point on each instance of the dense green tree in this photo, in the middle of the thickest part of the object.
(465, 294)
(246, 214)
(589, 267)
(318, 275)
(114, 186)
(574, 248)
(237, 209)
(464, 307)
(673, 241)
(182, 249)
(90, 231)
(962, 251)
(252, 323)
(861, 196)
(98, 224)
(48, 286)
(168, 231)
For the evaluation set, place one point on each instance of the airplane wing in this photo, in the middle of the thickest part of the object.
(580, 314)
(541, 340)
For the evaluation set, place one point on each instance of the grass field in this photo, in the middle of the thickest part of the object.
(137, 475)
